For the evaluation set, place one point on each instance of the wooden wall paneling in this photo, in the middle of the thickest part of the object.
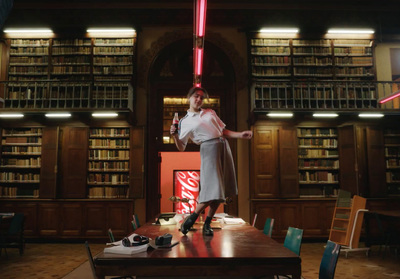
(348, 174)
(264, 210)
(136, 188)
(288, 163)
(71, 217)
(329, 209)
(312, 218)
(265, 162)
(74, 162)
(361, 161)
(376, 162)
(119, 215)
(95, 215)
(289, 216)
(48, 172)
(48, 219)
(29, 209)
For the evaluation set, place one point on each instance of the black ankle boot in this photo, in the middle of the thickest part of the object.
(207, 230)
(188, 223)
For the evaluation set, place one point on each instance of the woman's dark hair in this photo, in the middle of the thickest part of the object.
(194, 89)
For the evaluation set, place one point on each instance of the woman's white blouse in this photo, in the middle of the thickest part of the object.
(200, 127)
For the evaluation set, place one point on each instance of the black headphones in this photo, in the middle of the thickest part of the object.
(137, 241)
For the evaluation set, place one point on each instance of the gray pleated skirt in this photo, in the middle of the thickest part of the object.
(217, 171)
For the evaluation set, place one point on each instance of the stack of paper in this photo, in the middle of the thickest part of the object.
(126, 250)
(233, 221)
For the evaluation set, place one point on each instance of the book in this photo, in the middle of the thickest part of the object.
(126, 250)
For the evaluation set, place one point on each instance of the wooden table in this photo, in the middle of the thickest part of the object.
(234, 250)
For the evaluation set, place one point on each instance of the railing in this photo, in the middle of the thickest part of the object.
(323, 95)
(61, 95)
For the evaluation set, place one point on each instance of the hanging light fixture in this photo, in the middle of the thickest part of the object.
(199, 28)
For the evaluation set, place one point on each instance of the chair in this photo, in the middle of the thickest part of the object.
(254, 220)
(111, 235)
(293, 240)
(329, 260)
(13, 237)
(268, 226)
(136, 220)
(93, 266)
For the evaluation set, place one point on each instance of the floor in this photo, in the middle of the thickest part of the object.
(45, 261)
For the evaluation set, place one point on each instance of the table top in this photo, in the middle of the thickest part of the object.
(240, 242)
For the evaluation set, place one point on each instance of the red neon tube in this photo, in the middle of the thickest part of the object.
(199, 61)
(391, 97)
(201, 18)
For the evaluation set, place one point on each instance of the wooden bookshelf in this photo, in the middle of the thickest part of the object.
(113, 58)
(315, 67)
(318, 161)
(392, 158)
(109, 163)
(71, 59)
(29, 59)
(20, 162)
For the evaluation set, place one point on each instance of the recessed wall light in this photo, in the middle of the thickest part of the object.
(371, 115)
(58, 115)
(279, 30)
(111, 32)
(280, 114)
(325, 115)
(28, 30)
(11, 115)
(104, 114)
(350, 31)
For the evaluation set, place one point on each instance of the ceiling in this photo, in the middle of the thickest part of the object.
(310, 16)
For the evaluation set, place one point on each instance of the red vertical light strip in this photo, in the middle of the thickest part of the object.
(199, 61)
(201, 17)
(198, 43)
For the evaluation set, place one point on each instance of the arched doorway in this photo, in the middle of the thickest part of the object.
(171, 75)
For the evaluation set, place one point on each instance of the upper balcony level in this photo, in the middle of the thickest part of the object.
(63, 95)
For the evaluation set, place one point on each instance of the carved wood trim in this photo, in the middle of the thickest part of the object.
(147, 59)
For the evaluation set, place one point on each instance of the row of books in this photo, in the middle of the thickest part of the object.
(318, 163)
(28, 60)
(392, 151)
(318, 142)
(110, 50)
(12, 176)
(31, 162)
(393, 162)
(28, 139)
(316, 132)
(108, 166)
(318, 177)
(302, 42)
(392, 177)
(14, 192)
(317, 153)
(29, 51)
(23, 131)
(108, 192)
(108, 154)
(34, 150)
(109, 132)
(109, 143)
(108, 178)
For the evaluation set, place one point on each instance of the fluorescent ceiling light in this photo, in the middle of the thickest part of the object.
(58, 115)
(108, 30)
(104, 114)
(28, 30)
(371, 115)
(327, 115)
(350, 31)
(279, 30)
(11, 115)
(280, 114)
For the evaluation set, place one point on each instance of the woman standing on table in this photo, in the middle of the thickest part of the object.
(217, 170)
